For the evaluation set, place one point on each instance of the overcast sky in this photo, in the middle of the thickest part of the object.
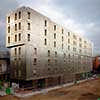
(82, 16)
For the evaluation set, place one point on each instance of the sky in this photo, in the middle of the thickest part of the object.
(81, 16)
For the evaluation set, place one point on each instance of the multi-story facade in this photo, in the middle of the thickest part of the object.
(43, 51)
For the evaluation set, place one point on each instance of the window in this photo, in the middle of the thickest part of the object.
(74, 43)
(54, 27)
(80, 39)
(68, 40)
(8, 29)
(74, 36)
(15, 38)
(29, 15)
(8, 19)
(74, 49)
(69, 56)
(35, 49)
(48, 52)
(68, 47)
(62, 46)
(19, 50)
(45, 23)
(15, 16)
(45, 32)
(55, 61)
(80, 45)
(28, 26)
(62, 38)
(54, 44)
(68, 33)
(19, 36)
(19, 26)
(85, 46)
(28, 37)
(54, 35)
(48, 61)
(15, 27)
(62, 31)
(55, 53)
(19, 15)
(64, 55)
(35, 61)
(15, 51)
(45, 41)
(80, 51)
(85, 41)
(8, 39)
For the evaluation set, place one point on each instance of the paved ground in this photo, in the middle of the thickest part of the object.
(89, 90)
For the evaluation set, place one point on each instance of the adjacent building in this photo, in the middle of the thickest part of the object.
(4, 64)
(44, 53)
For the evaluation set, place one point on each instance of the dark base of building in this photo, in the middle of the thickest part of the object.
(49, 82)
(5, 77)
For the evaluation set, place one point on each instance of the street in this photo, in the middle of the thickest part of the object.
(89, 90)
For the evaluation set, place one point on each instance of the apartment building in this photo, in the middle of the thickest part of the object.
(44, 53)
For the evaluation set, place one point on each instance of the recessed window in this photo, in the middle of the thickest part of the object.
(29, 26)
(62, 46)
(80, 51)
(45, 41)
(15, 51)
(19, 15)
(68, 33)
(68, 47)
(80, 39)
(69, 56)
(8, 39)
(80, 45)
(15, 16)
(54, 43)
(45, 32)
(19, 26)
(74, 36)
(19, 36)
(19, 50)
(54, 35)
(62, 38)
(54, 27)
(48, 52)
(15, 38)
(74, 49)
(85, 42)
(28, 37)
(29, 15)
(68, 40)
(62, 31)
(45, 23)
(9, 19)
(74, 43)
(15, 27)
(48, 61)
(35, 49)
(55, 61)
(64, 55)
(8, 29)
(35, 61)
(55, 53)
